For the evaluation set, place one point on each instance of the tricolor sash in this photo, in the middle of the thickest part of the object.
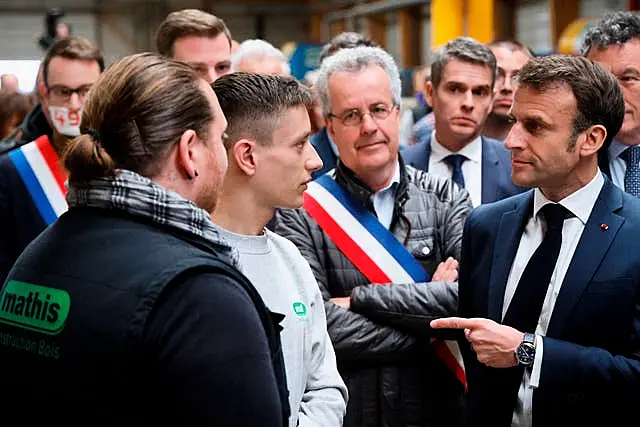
(39, 167)
(372, 248)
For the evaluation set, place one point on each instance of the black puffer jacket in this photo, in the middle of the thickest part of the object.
(394, 378)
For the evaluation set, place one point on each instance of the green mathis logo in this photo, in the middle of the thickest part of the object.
(34, 307)
(299, 309)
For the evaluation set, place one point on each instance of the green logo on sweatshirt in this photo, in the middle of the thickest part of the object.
(299, 309)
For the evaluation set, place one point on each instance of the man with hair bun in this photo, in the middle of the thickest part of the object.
(130, 309)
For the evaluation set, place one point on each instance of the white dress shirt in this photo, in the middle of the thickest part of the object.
(471, 168)
(617, 166)
(384, 199)
(580, 204)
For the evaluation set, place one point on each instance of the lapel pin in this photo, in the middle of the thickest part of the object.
(604, 227)
(426, 250)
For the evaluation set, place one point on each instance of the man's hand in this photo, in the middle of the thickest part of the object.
(344, 302)
(447, 271)
(494, 344)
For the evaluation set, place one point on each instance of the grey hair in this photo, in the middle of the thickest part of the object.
(352, 60)
(346, 40)
(615, 28)
(256, 48)
(465, 49)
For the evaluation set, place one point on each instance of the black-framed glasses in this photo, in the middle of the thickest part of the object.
(63, 93)
(354, 117)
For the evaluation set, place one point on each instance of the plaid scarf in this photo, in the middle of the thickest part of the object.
(139, 196)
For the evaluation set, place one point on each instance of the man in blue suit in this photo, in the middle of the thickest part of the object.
(549, 286)
(463, 75)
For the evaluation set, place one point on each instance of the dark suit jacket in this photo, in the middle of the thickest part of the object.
(20, 220)
(320, 141)
(496, 167)
(591, 355)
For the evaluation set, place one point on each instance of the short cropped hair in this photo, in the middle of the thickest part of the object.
(598, 96)
(256, 48)
(353, 60)
(512, 46)
(615, 28)
(254, 103)
(185, 23)
(345, 40)
(463, 49)
(71, 48)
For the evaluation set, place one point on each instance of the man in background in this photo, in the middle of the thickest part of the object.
(197, 38)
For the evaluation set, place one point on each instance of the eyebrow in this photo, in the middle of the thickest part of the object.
(303, 137)
(539, 120)
(631, 70)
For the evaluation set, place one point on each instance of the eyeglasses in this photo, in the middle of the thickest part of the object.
(63, 93)
(354, 117)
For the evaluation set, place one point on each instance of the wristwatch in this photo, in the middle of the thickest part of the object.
(526, 351)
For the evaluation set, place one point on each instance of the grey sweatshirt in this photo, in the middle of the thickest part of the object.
(317, 394)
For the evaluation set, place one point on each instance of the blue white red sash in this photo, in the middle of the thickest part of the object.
(39, 167)
(372, 248)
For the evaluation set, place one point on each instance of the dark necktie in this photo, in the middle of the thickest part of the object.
(455, 161)
(524, 310)
(631, 156)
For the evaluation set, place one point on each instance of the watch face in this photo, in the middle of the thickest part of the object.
(526, 353)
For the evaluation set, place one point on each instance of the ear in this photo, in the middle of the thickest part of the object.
(42, 89)
(428, 93)
(329, 124)
(186, 154)
(593, 140)
(244, 154)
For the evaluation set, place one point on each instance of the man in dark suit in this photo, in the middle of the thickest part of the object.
(550, 279)
(614, 42)
(463, 75)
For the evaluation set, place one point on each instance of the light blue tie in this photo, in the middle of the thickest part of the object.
(631, 156)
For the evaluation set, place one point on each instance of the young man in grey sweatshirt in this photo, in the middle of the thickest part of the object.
(270, 161)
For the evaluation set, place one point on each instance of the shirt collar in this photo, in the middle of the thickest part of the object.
(579, 203)
(395, 180)
(616, 148)
(472, 151)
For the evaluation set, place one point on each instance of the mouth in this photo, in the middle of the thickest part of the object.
(518, 162)
(503, 102)
(369, 144)
(464, 121)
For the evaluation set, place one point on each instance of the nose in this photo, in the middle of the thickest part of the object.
(467, 101)
(368, 125)
(514, 140)
(212, 76)
(314, 162)
(507, 86)
(75, 103)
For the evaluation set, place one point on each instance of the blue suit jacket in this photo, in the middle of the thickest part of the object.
(20, 220)
(496, 167)
(320, 141)
(591, 353)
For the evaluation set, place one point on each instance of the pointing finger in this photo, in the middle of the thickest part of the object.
(453, 323)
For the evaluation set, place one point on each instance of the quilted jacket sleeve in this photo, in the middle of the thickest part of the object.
(354, 337)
